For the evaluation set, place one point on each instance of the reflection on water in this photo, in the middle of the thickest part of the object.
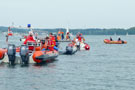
(104, 67)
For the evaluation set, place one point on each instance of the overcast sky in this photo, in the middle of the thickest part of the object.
(68, 13)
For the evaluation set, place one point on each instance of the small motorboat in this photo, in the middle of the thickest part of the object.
(43, 56)
(70, 49)
(24, 55)
(84, 46)
(107, 41)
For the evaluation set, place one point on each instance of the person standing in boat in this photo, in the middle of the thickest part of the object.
(30, 39)
(62, 35)
(52, 38)
(68, 36)
(77, 43)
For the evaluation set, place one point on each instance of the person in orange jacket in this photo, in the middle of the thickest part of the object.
(50, 44)
(68, 36)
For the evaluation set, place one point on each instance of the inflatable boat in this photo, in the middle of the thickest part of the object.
(107, 41)
(43, 56)
(84, 46)
(70, 49)
(23, 55)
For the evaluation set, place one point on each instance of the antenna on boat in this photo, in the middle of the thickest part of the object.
(12, 24)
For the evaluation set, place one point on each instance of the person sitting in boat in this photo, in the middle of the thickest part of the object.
(50, 44)
(119, 39)
(111, 39)
(58, 37)
(68, 36)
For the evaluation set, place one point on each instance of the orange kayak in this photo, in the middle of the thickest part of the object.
(107, 41)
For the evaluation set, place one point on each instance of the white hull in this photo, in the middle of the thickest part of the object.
(82, 46)
(17, 60)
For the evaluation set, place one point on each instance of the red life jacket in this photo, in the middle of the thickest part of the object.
(80, 39)
(53, 40)
(30, 39)
(51, 45)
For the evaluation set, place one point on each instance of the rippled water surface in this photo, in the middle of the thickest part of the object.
(104, 67)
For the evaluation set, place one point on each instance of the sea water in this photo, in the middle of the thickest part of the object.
(104, 67)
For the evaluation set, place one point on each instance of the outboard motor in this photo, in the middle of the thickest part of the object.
(11, 52)
(24, 53)
(69, 50)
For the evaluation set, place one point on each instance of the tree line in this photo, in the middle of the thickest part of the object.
(89, 31)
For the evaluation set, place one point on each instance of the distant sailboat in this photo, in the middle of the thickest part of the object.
(67, 30)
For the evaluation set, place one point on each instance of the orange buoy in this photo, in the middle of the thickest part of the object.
(37, 54)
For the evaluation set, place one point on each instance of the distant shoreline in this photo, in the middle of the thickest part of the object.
(89, 31)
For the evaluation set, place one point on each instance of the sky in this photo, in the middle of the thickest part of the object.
(68, 13)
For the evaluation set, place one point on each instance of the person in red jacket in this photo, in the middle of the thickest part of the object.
(52, 38)
(30, 39)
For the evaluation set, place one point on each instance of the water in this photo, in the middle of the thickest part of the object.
(104, 67)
